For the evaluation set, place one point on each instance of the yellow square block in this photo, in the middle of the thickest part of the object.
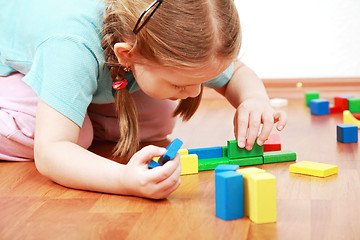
(313, 168)
(183, 151)
(189, 164)
(263, 198)
(248, 197)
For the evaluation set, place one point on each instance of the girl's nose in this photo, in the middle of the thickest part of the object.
(193, 91)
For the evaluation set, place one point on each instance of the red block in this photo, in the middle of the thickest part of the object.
(272, 143)
(356, 115)
(341, 102)
(334, 109)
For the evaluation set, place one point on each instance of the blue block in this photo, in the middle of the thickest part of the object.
(172, 150)
(205, 153)
(319, 106)
(229, 196)
(153, 164)
(226, 167)
(347, 133)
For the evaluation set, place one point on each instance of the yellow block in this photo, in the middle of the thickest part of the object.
(263, 205)
(349, 118)
(183, 151)
(313, 168)
(189, 164)
(248, 196)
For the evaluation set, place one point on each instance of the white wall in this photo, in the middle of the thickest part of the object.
(303, 38)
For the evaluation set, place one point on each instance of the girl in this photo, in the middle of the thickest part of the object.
(65, 63)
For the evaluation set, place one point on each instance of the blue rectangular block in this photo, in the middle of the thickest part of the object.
(229, 196)
(319, 106)
(205, 153)
(153, 164)
(347, 133)
(172, 150)
(226, 167)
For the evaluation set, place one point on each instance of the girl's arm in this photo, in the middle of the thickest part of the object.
(58, 157)
(246, 92)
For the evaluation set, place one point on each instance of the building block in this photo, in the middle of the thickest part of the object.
(183, 151)
(212, 163)
(319, 106)
(273, 143)
(154, 164)
(313, 168)
(189, 164)
(234, 152)
(279, 156)
(229, 195)
(349, 118)
(263, 208)
(226, 167)
(334, 109)
(204, 153)
(248, 198)
(347, 133)
(341, 102)
(248, 161)
(356, 115)
(354, 105)
(310, 96)
(172, 150)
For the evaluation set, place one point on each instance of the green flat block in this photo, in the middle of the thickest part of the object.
(224, 148)
(234, 152)
(310, 96)
(354, 105)
(211, 163)
(279, 156)
(249, 161)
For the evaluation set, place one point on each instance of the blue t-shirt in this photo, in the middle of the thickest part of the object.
(57, 45)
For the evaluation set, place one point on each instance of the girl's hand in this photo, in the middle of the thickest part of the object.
(248, 118)
(156, 183)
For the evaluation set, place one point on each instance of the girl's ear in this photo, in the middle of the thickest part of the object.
(123, 54)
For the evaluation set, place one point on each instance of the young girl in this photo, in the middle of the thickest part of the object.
(64, 64)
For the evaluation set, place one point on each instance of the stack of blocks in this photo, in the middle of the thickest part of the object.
(245, 192)
(201, 159)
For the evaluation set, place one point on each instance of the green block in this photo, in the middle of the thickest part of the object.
(234, 152)
(354, 105)
(279, 156)
(211, 163)
(310, 96)
(249, 161)
(224, 148)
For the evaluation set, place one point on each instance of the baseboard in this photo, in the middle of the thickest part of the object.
(296, 87)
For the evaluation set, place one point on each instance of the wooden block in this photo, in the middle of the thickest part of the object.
(183, 151)
(279, 156)
(347, 133)
(263, 203)
(310, 95)
(349, 118)
(229, 195)
(341, 102)
(210, 152)
(354, 105)
(172, 150)
(226, 167)
(272, 143)
(313, 168)
(153, 164)
(334, 109)
(212, 163)
(248, 161)
(319, 107)
(189, 164)
(234, 152)
(247, 197)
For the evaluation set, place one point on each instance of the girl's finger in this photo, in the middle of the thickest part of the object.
(281, 118)
(241, 122)
(268, 123)
(253, 131)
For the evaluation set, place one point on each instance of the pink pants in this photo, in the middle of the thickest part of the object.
(18, 103)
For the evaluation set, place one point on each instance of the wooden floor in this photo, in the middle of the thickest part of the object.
(32, 207)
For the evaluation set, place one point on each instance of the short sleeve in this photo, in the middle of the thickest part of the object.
(222, 79)
(64, 74)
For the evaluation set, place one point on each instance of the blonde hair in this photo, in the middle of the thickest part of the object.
(181, 34)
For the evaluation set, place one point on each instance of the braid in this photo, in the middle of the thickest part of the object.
(125, 107)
